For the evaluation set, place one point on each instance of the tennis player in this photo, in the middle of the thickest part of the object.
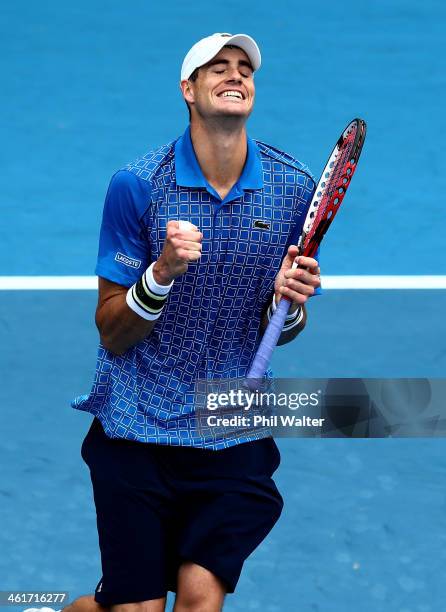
(194, 254)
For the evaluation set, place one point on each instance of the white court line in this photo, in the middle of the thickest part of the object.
(75, 283)
(384, 282)
(47, 283)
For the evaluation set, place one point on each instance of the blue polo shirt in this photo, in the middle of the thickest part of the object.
(210, 326)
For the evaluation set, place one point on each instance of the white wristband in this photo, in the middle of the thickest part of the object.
(146, 297)
(153, 285)
(294, 319)
(291, 319)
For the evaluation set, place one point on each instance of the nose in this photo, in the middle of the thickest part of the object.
(234, 74)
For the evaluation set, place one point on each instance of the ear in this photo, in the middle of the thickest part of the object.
(187, 91)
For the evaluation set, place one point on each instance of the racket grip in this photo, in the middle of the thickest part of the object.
(269, 340)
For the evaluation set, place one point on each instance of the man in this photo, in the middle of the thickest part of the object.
(192, 238)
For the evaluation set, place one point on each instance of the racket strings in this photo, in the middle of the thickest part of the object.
(330, 191)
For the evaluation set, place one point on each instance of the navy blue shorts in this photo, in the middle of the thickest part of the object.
(158, 506)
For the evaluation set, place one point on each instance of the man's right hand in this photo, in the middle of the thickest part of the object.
(182, 246)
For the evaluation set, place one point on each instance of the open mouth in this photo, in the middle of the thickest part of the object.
(232, 93)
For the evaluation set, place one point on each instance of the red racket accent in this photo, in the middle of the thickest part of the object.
(330, 192)
(337, 174)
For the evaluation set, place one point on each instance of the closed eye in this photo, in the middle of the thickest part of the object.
(245, 75)
(244, 68)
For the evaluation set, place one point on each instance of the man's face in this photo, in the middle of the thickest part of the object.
(224, 86)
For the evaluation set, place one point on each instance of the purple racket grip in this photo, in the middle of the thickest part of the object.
(269, 340)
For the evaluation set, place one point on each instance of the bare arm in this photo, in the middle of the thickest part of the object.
(119, 326)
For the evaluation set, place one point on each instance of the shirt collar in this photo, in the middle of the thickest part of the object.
(189, 174)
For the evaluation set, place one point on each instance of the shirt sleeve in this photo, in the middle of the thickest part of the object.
(123, 248)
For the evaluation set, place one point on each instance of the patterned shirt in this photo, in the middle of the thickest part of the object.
(210, 325)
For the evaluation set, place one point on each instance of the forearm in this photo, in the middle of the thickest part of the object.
(119, 327)
(124, 316)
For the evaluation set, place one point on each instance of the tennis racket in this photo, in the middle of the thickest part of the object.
(327, 198)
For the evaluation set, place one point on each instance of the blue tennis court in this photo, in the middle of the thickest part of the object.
(88, 87)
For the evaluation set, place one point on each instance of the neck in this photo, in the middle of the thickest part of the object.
(221, 152)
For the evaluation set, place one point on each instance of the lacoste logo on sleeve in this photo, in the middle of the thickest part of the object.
(127, 261)
(257, 224)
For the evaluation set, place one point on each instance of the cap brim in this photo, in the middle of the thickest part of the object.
(243, 41)
(248, 45)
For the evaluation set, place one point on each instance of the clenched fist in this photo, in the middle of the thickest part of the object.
(181, 247)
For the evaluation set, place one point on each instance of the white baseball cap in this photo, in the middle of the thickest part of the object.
(207, 48)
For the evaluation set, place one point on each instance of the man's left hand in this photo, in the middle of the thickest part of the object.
(300, 283)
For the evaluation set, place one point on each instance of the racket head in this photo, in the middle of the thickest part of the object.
(332, 186)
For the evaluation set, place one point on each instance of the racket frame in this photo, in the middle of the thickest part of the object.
(309, 241)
